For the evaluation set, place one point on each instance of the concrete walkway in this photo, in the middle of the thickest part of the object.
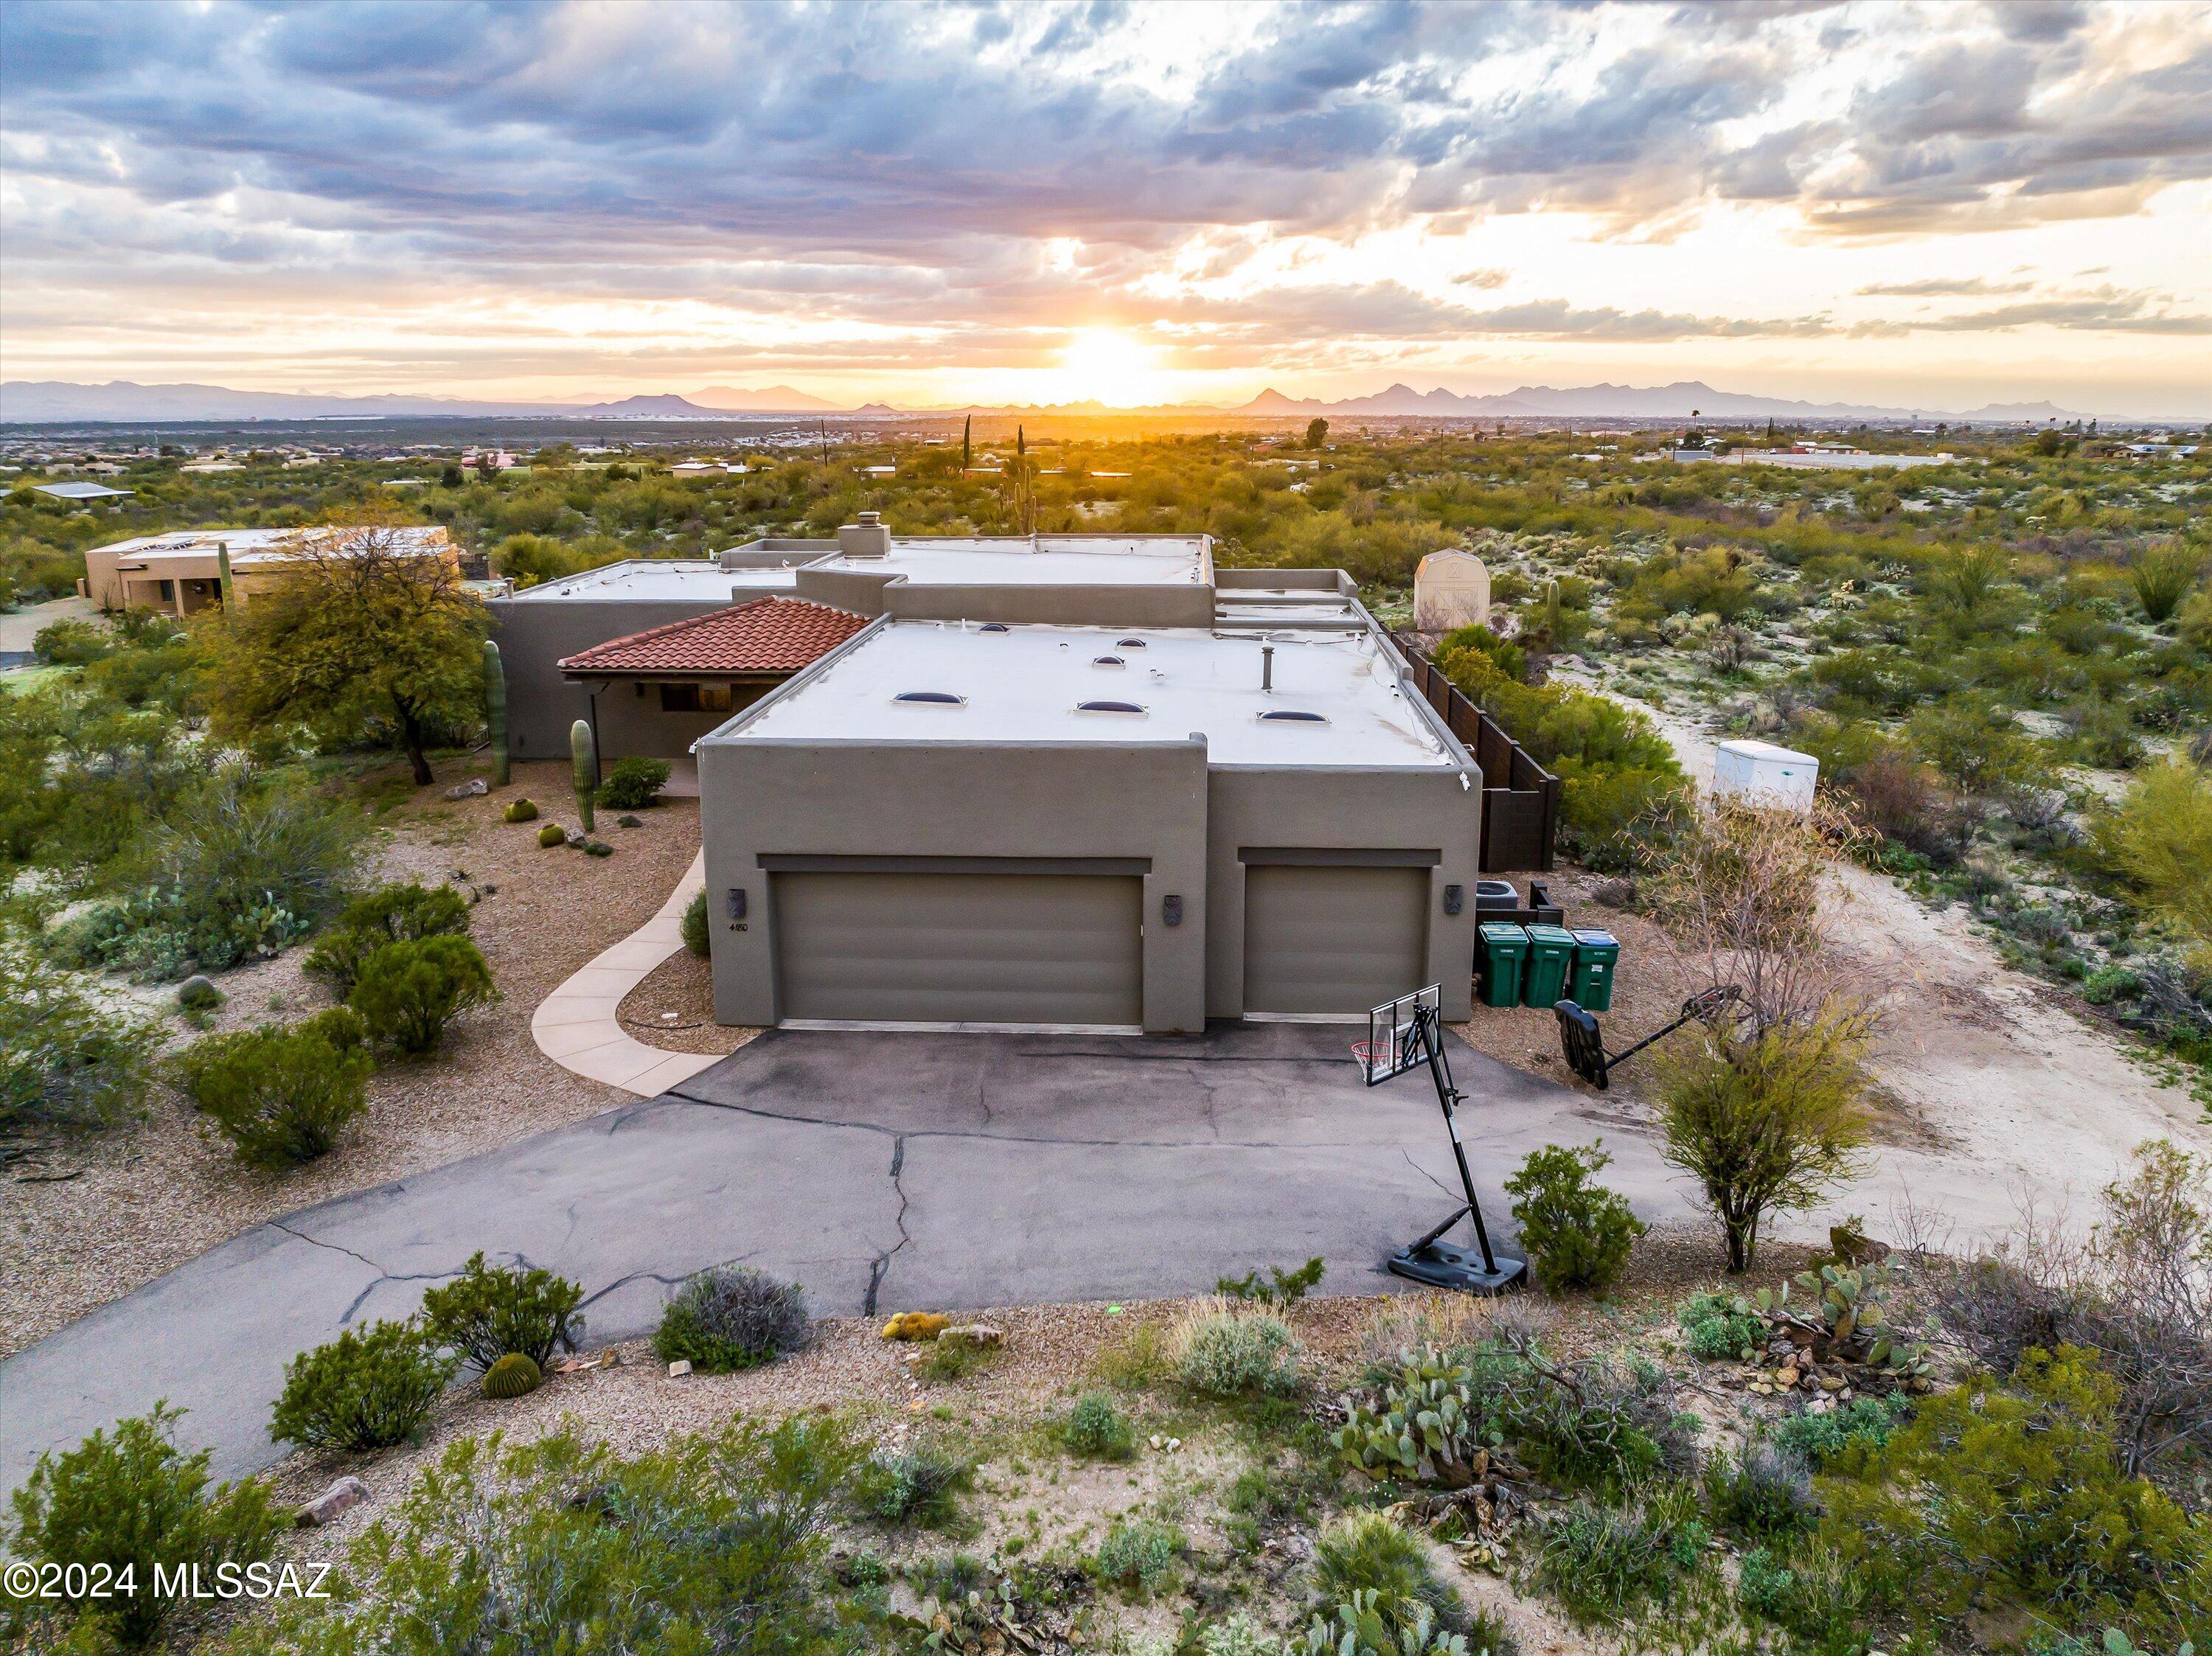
(576, 1026)
(882, 1172)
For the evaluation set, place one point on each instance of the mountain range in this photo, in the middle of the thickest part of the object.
(33, 402)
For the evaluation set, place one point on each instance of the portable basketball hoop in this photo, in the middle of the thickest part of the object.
(1407, 1033)
(1583, 1045)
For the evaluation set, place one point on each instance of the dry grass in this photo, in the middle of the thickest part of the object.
(92, 1217)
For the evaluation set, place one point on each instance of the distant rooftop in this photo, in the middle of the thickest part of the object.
(249, 546)
(81, 491)
(1336, 700)
(1046, 559)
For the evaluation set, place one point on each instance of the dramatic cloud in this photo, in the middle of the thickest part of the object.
(833, 185)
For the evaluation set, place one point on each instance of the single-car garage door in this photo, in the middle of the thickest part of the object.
(896, 948)
(1333, 939)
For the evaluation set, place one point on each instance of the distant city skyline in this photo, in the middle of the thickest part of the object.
(1928, 205)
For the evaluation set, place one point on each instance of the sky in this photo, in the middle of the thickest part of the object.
(1938, 204)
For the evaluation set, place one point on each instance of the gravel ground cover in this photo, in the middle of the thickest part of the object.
(88, 1218)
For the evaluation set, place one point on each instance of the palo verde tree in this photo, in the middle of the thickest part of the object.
(363, 632)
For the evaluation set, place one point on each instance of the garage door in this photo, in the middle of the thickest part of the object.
(960, 948)
(1333, 939)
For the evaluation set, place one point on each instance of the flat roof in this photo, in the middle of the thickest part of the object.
(249, 546)
(1047, 561)
(681, 579)
(1027, 684)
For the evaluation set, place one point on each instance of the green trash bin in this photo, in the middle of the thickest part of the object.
(1596, 953)
(1551, 952)
(1504, 952)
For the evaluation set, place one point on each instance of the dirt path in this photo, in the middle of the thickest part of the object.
(2018, 1095)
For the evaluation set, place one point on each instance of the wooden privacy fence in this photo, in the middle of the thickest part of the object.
(1520, 798)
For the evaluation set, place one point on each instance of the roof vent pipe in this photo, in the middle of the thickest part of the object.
(1268, 668)
(866, 538)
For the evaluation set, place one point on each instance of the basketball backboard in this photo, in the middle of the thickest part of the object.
(1393, 1046)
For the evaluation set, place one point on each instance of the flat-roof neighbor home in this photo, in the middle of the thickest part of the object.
(180, 573)
(81, 491)
(1119, 826)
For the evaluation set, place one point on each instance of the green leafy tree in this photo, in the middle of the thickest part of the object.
(363, 633)
(1317, 432)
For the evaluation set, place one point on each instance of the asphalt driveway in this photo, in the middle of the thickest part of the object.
(882, 1171)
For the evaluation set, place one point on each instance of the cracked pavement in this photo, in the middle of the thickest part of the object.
(1021, 1169)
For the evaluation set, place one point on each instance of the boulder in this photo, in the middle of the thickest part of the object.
(475, 788)
(679, 1368)
(983, 1336)
(340, 1498)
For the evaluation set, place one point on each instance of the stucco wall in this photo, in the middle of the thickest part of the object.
(1074, 801)
(635, 724)
(534, 635)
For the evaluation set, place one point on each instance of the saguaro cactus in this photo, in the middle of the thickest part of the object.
(494, 689)
(584, 754)
(223, 571)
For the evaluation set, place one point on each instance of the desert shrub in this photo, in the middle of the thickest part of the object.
(718, 1542)
(2159, 840)
(953, 1355)
(1814, 1596)
(1764, 1490)
(390, 913)
(368, 1389)
(409, 991)
(1228, 1354)
(1765, 1123)
(1719, 1326)
(1095, 1427)
(1862, 1423)
(199, 995)
(1576, 1233)
(488, 1311)
(633, 784)
(72, 643)
(1976, 746)
(1284, 1287)
(698, 936)
(280, 1095)
(2162, 574)
(1368, 1552)
(66, 1059)
(1138, 1553)
(128, 1499)
(1600, 1424)
(918, 1487)
(1507, 658)
(1238, 1635)
(1601, 1565)
(727, 1318)
(2011, 1491)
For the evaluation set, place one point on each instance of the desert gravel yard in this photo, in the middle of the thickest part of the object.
(85, 1219)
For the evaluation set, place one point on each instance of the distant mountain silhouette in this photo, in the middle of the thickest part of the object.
(27, 401)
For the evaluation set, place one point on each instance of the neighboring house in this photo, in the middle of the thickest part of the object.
(81, 491)
(179, 574)
(655, 693)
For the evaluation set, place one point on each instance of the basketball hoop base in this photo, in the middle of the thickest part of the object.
(1441, 1264)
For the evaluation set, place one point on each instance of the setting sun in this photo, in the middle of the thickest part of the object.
(1103, 364)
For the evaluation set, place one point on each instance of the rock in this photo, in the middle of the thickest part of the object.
(576, 840)
(1785, 1377)
(475, 788)
(983, 1335)
(630, 821)
(340, 1498)
(679, 1368)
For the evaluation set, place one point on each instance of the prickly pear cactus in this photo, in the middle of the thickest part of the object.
(495, 688)
(513, 1375)
(584, 755)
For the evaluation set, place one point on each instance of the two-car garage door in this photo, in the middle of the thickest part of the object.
(902, 947)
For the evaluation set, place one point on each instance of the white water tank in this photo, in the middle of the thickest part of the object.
(1761, 774)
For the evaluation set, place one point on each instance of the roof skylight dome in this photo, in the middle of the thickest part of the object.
(1108, 708)
(930, 699)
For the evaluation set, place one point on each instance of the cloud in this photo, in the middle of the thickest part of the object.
(1942, 287)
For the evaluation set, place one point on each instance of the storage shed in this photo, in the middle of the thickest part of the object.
(1761, 774)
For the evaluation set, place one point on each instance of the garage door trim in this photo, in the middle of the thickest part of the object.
(830, 863)
(1330, 857)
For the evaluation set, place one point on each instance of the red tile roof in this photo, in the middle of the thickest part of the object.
(766, 635)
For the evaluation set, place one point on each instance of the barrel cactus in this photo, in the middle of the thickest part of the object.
(495, 688)
(584, 756)
(552, 834)
(521, 811)
(513, 1375)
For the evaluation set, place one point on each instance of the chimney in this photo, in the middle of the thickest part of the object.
(868, 538)
(1268, 668)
